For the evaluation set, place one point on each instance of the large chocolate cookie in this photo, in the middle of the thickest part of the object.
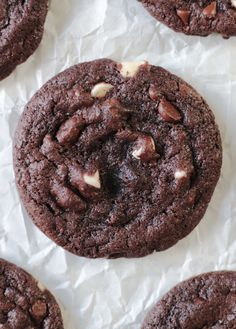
(21, 30)
(24, 302)
(206, 301)
(116, 159)
(196, 17)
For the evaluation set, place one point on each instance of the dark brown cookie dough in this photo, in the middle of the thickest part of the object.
(115, 159)
(203, 302)
(21, 30)
(196, 17)
(24, 303)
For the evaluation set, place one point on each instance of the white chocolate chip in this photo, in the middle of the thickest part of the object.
(41, 286)
(233, 3)
(137, 153)
(146, 144)
(93, 180)
(101, 89)
(179, 174)
(129, 69)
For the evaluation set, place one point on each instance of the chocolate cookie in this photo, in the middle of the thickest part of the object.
(115, 159)
(206, 301)
(24, 302)
(21, 30)
(196, 17)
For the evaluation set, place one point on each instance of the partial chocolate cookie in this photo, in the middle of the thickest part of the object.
(24, 303)
(196, 17)
(205, 301)
(116, 159)
(21, 30)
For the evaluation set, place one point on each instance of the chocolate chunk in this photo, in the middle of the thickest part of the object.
(153, 93)
(66, 198)
(210, 10)
(87, 182)
(168, 112)
(70, 129)
(184, 15)
(144, 148)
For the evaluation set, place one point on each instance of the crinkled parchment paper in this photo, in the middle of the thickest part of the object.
(112, 294)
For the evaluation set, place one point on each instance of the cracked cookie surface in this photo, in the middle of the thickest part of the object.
(116, 160)
(24, 302)
(196, 17)
(206, 301)
(21, 30)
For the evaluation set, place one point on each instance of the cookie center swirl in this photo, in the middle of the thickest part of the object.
(112, 160)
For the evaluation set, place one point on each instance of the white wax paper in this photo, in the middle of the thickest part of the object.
(115, 294)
